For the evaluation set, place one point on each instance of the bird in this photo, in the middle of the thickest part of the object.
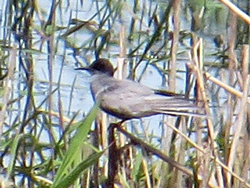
(127, 99)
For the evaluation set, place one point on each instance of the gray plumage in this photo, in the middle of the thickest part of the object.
(126, 99)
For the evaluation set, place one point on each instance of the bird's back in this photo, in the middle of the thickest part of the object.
(126, 99)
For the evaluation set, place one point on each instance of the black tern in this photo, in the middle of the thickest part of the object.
(126, 99)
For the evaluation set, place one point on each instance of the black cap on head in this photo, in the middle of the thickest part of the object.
(100, 66)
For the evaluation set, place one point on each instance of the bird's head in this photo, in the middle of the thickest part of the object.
(100, 66)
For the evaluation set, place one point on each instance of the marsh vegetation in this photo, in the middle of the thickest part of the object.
(48, 133)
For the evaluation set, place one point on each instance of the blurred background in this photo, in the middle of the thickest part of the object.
(197, 48)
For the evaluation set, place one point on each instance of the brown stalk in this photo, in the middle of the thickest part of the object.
(200, 82)
(174, 46)
(177, 177)
(236, 10)
(237, 134)
(246, 140)
(159, 154)
(203, 151)
(225, 86)
(241, 117)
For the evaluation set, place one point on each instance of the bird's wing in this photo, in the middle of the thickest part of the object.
(127, 99)
(126, 102)
(173, 105)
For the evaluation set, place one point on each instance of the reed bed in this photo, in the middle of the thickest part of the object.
(53, 138)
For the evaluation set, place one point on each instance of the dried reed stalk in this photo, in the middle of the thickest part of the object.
(8, 87)
(240, 120)
(236, 10)
(200, 82)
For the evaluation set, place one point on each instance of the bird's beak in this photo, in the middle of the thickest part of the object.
(85, 69)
